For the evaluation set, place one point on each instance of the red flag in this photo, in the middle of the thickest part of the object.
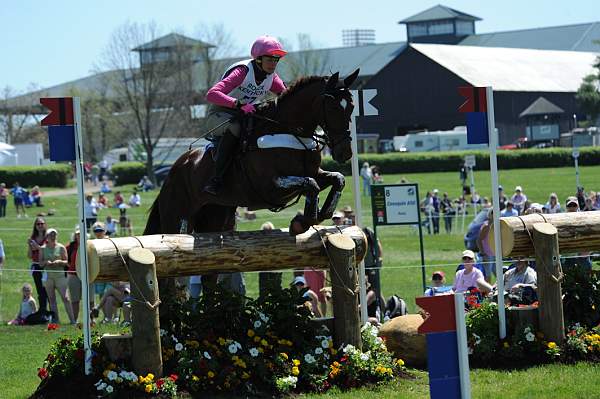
(475, 99)
(61, 111)
(442, 316)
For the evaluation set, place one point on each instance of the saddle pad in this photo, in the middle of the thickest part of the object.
(285, 141)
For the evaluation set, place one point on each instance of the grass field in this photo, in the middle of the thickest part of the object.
(23, 349)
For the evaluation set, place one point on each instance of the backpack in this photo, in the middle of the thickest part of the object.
(394, 307)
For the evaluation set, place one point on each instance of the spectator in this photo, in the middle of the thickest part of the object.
(145, 184)
(99, 230)
(589, 206)
(34, 248)
(581, 197)
(338, 219)
(435, 216)
(373, 262)
(509, 210)
(472, 233)
(3, 199)
(18, 194)
(485, 251)
(349, 217)
(90, 210)
(125, 226)
(315, 279)
(102, 201)
(475, 198)
(553, 206)
(596, 201)
(367, 177)
(111, 226)
(54, 262)
(375, 305)
(377, 178)
(427, 208)
(519, 199)
(448, 210)
(115, 297)
(309, 298)
(27, 307)
(572, 204)
(502, 198)
(104, 187)
(438, 285)
(534, 208)
(118, 200)
(520, 276)
(135, 199)
(2, 257)
(36, 196)
(94, 174)
(103, 165)
(582, 260)
(462, 173)
(469, 276)
(268, 281)
(73, 281)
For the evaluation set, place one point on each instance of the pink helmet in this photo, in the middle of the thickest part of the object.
(267, 45)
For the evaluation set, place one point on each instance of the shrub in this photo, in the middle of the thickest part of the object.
(50, 175)
(128, 172)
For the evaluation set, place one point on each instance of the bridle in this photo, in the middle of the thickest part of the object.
(328, 137)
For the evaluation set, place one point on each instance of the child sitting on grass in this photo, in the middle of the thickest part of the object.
(28, 306)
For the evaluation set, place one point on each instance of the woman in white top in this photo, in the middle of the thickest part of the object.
(553, 206)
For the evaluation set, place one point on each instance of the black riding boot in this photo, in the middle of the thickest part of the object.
(224, 156)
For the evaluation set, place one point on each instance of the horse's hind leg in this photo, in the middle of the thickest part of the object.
(310, 188)
(337, 182)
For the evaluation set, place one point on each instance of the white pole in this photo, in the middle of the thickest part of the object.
(463, 351)
(577, 173)
(358, 212)
(473, 190)
(493, 139)
(82, 250)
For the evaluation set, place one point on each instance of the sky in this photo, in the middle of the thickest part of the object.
(51, 42)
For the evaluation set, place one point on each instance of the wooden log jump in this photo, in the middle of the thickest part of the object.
(577, 232)
(185, 255)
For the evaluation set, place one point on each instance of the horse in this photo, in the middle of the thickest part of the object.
(265, 178)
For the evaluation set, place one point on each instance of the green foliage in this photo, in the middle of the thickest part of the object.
(588, 94)
(581, 295)
(398, 162)
(128, 172)
(482, 330)
(28, 176)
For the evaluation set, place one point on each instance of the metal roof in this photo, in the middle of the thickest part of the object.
(171, 40)
(512, 69)
(578, 37)
(439, 12)
(541, 106)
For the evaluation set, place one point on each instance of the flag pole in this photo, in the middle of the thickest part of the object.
(82, 250)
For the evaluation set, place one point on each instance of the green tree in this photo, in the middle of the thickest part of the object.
(588, 94)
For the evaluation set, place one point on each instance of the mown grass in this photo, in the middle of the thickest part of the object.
(23, 349)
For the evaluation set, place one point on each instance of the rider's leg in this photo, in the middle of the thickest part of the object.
(225, 148)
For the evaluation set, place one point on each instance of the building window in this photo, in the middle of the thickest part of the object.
(417, 29)
(441, 28)
(465, 28)
(418, 144)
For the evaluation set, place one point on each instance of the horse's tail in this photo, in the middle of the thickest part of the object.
(153, 223)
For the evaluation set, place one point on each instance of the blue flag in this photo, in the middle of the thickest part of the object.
(477, 128)
(61, 142)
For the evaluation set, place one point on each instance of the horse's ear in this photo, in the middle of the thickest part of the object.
(351, 78)
(332, 82)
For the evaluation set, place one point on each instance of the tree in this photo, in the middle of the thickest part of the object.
(588, 94)
(307, 60)
(15, 118)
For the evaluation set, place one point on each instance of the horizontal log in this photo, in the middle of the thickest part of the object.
(186, 255)
(577, 232)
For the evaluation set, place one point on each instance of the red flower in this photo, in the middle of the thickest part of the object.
(174, 377)
(160, 383)
(52, 326)
(42, 373)
(344, 358)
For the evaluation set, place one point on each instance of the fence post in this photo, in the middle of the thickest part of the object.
(344, 281)
(549, 276)
(146, 354)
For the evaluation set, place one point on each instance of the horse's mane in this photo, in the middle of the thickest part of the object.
(298, 85)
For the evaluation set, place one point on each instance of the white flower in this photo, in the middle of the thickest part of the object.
(379, 340)
(470, 350)
(109, 389)
(253, 352)
(264, 318)
(349, 349)
(232, 348)
(530, 337)
(477, 339)
(207, 355)
(163, 332)
(364, 356)
(179, 346)
(308, 358)
(175, 339)
(257, 324)
(318, 351)
(325, 344)
(111, 375)
(326, 356)
(101, 386)
(98, 383)
(527, 330)
(238, 344)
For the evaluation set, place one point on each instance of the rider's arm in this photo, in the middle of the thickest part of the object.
(218, 94)
(277, 86)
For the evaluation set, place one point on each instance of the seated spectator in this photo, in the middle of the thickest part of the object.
(438, 285)
(509, 210)
(596, 201)
(338, 219)
(118, 200)
(519, 199)
(520, 276)
(135, 199)
(534, 208)
(349, 217)
(36, 196)
(467, 275)
(27, 307)
(589, 206)
(145, 184)
(572, 204)
(374, 305)
(104, 187)
(309, 297)
(553, 206)
(102, 201)
(115, 296)
(111, 226)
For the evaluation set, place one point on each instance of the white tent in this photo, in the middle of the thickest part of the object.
(8, 155)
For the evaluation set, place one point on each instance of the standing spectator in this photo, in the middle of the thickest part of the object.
(583, 259)
(469, 276)
(373, 263)
(94, 173)
(118, 200)
(34, 248)
(427, 209)
(588, 205)
(18, 194)
(111, 226)
(485, 250)
(268, 281)
(125, 226)
(367, 177)
(2, 257)
(509, 210)
(90, 210)
(54, 261)
(3, 199)
(103, 165)
(36, 196)
(435, 216)
(462, 173)
(448, 210)
(553, 206)
(581, 197)
(73, 281)
(501, 198)
(135, 199)
(26, 308)
(519, 199)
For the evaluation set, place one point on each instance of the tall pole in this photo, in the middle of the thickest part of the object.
(493, 140)
(82, 252)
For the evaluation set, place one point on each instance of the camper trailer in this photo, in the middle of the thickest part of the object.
(443, 140)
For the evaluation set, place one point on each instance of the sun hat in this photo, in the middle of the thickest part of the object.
(467, 253)
(438, 273)
(50, 231)
(572, 201)
(299, 280)
(337, 215)
(518, 188)
(98, 226)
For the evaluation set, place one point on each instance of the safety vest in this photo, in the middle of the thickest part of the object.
(249, 92)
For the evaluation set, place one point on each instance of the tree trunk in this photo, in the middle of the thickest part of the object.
(577, 232)
(186, 255)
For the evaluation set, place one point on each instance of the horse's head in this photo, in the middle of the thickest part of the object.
(334, 107)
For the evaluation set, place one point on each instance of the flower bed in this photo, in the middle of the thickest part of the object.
(233, 345)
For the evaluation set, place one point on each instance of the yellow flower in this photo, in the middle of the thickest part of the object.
(150, 376)
(400, 362)
(506, 345)
(296, 362)
(261, 350)
(234, 358)
(334, 351)
(251, 333)
(264, 342)
(148, 388)
(551, 345)
(245, 375)
(284, 355)
(105, 373)
(295, 370)
(257, 339)
(111, 366)
(221, 341)
(210, 374)
(195, 378)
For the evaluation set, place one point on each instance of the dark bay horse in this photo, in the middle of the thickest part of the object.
(265, 178)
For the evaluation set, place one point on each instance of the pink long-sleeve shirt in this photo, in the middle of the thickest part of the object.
(218, 94)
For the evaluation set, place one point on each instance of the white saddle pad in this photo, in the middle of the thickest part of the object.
(285, 141)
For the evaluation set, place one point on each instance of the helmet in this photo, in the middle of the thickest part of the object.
(267, 45)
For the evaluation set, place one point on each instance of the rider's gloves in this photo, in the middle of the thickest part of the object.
(248, 108)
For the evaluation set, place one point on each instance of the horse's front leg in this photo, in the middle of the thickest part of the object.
(337, 182)
(310, 188)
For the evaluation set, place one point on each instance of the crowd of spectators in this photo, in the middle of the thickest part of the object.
(22, 198)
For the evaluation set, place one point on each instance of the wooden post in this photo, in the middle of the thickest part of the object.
(549, 277)
(146, 355)
(344, 281)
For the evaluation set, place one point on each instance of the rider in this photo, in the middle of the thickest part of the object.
(243, 84)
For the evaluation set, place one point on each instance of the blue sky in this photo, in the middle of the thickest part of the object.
(51, 42)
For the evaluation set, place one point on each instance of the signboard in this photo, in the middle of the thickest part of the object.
(395, 204)
(575, 153)
(470, 161)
